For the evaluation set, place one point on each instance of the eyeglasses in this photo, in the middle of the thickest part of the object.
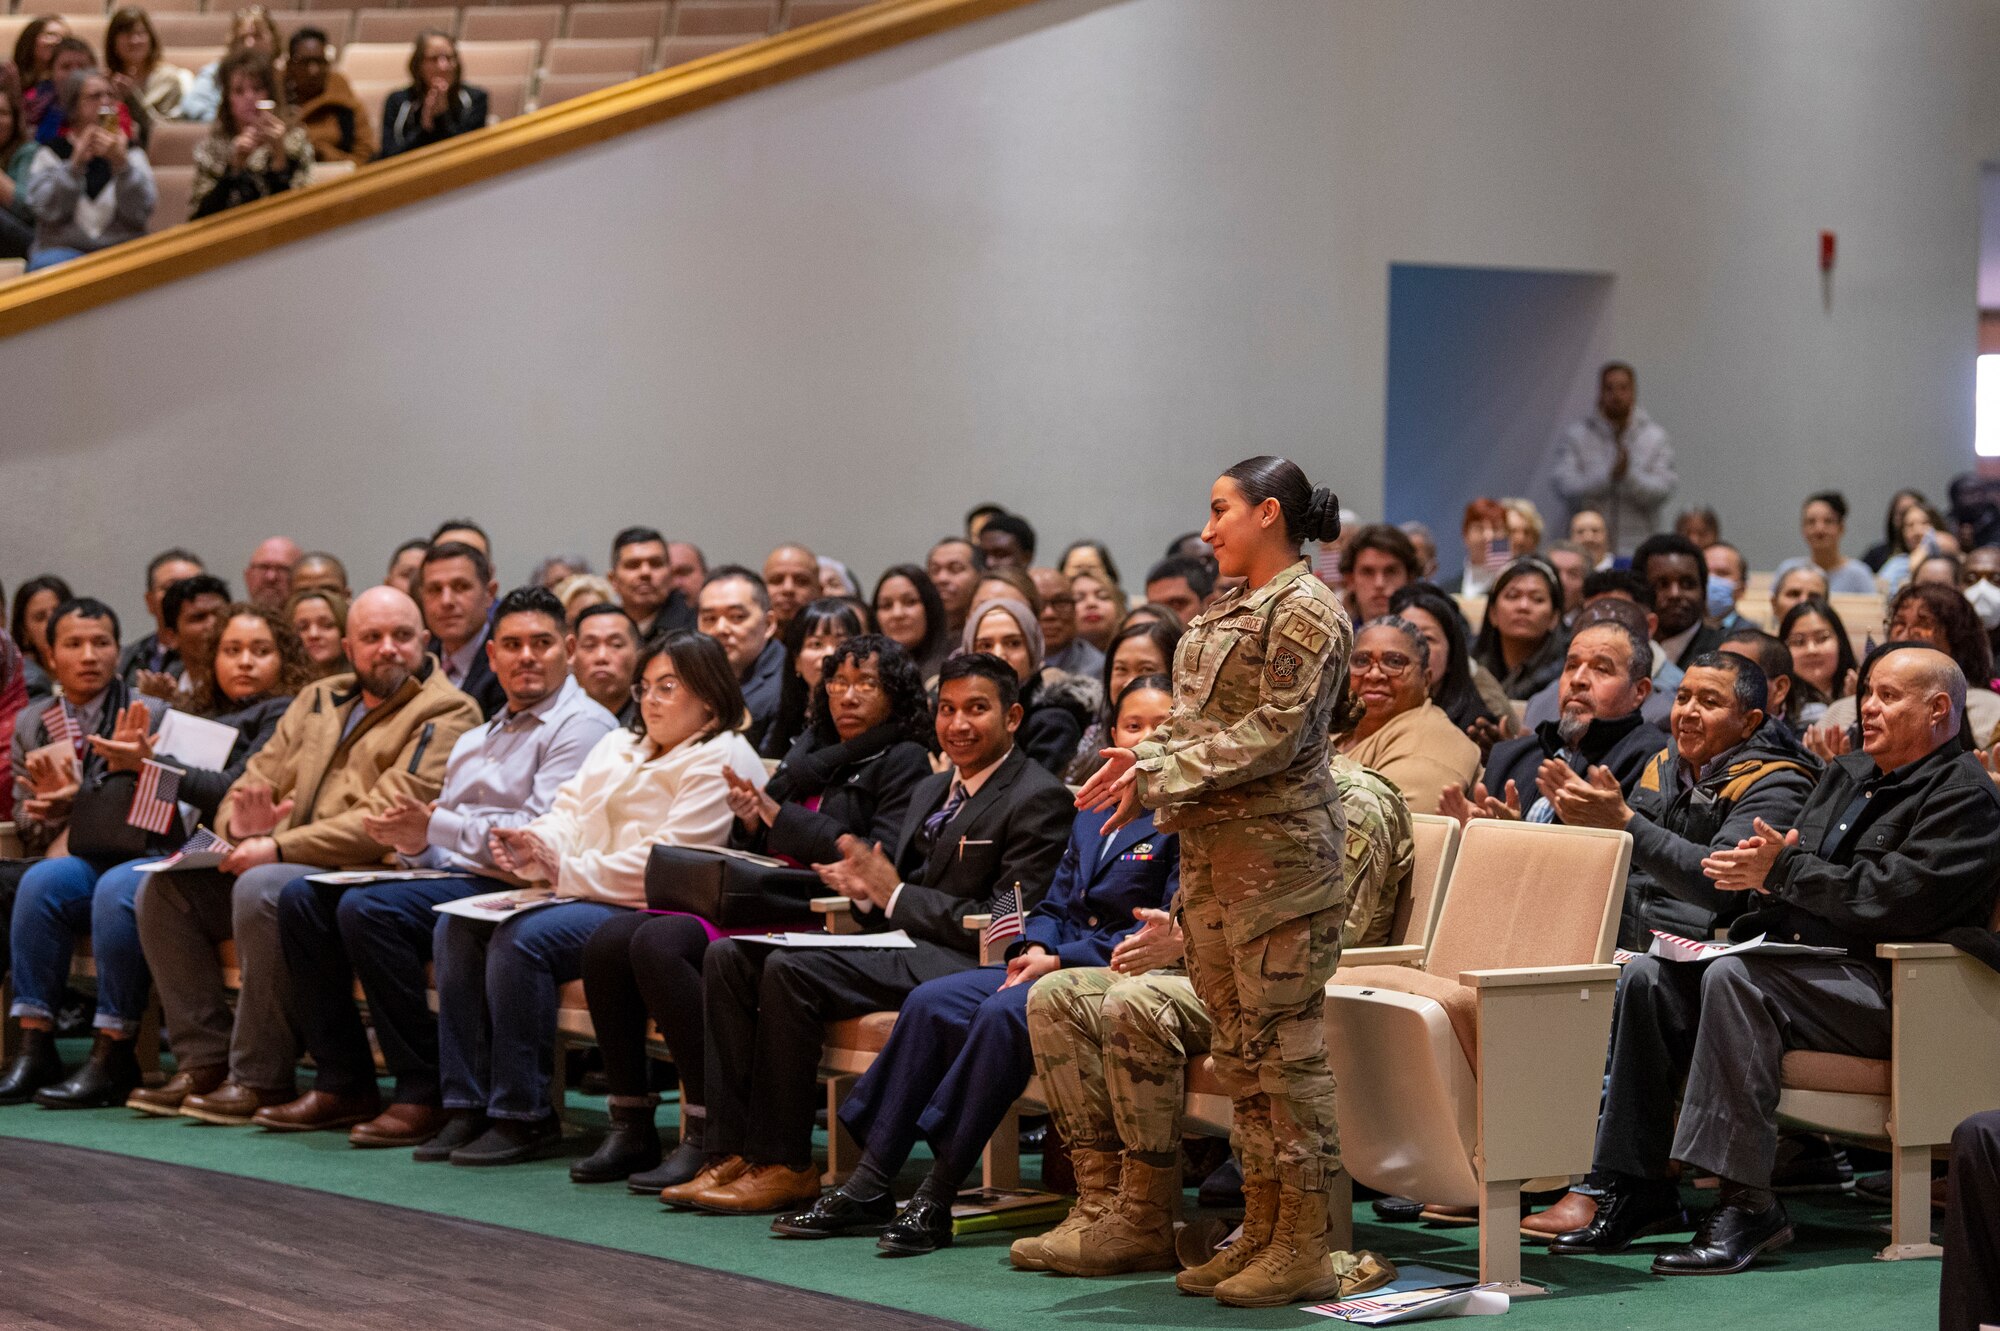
(1389, 663)
(864, 687)
(665, 689)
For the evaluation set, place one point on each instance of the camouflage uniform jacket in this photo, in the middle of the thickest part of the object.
(1256, 680)
(1380, 855)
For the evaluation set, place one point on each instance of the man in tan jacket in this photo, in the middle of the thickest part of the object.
(349, 747)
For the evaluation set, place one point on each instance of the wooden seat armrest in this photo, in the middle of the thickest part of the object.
(839, 913)
(976, 921)
(1542, 975)
(988, 956)
(1402, 954)
(1893, 952)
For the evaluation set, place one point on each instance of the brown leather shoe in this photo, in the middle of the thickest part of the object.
(233, 1105)
(318, 1111)
(401, 1125)
(166, 1099)
(1451, 1215)
(713, 1175)
(1574, 1211)
(762, 1188)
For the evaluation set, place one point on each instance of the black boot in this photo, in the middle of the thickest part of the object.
(631, 1147)
(681, 1164)
(37, 1065)
(109, 1075)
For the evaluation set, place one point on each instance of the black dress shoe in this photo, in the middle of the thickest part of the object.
(836, 1214)
(37, 1065)
(510, 1141)
(1628, 1210)
(680, 1166)
(633, 1145)
(110, 1074)
(1398, 1210)
(1728, 1239)
(466, 1126)
(922, 1226)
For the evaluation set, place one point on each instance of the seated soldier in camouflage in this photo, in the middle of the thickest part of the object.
(1112, 1047)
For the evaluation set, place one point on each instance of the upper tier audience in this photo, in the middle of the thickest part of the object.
(438, 104)
(333, 118)
(255, 151)
(139, 72)
(90, 187)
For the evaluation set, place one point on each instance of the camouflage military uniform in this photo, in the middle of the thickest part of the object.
(1241, 771)
(1381, 852)
(1112, 1053)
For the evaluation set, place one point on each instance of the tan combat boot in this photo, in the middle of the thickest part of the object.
(1296, 1266)
(1260, 1216)
(1137, 1234)
(1096, 1192)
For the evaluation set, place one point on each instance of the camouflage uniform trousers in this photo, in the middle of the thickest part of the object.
(1112, 1053)
(1263, 981)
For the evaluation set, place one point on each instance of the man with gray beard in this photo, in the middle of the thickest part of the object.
(1605, 681)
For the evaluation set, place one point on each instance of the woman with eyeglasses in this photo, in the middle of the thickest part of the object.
(851, 773)
(1404, 736)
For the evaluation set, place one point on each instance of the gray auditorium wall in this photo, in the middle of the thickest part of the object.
(1074, 259)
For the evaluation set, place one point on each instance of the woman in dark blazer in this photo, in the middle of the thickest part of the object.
(864, 751)
(438, 104)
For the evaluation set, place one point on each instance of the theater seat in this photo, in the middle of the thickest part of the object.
(175, 185)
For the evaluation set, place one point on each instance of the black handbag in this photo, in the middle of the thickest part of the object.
(731, 892)
(98, 831)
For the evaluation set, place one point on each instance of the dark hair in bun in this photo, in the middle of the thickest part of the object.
(1311, 513)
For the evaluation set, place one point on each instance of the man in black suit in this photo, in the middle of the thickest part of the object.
(996, 821)
(1677, 571)
(642, 575)
(455, 586)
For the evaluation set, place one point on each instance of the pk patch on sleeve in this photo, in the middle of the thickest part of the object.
(1284, 667)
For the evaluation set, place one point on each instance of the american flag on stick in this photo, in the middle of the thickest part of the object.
(60, 721)
(153, 806)
(1006, 921)
(203, 842)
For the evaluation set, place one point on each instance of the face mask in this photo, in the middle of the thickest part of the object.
(1721, 596)
(1985, 598)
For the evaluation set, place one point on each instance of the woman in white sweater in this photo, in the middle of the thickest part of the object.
(660, 783)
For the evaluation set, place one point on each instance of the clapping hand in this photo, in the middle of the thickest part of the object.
(253, 813)
(1479, 803)
(1745, 868)
(156, 684)
(130, 743)
(404, 826)
(53, 776)
(523, 853)
(1113, 786)
(862, 873)
(752, 807)
(1580, 802)
(1155, 943)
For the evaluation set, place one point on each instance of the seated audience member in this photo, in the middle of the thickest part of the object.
(1089, 557)
(1805, 582)
(605, 659)
(457, 591)
(955, 565)
(34, 602)
(1892, 526)
(17, 156)
(687, 569)
(1524, 527)
(1425, 544)
(1919, 535)
(641, 574)
(995, 823)
(1699, 525)
(837, 579)
(909, 611)
(52, 755)
(1944, 619)
(34, 65)
(403, 566)
(1823, 522)
(316, 570)
(851, 773)
(1401, 734)
(1487, 549)
(466, 532)
(1728, 573)
(320, 619)
(735, 610)
(1822, 658)
(1521, 642)
(1572, 566)
(1100, 605)
(1979, 579)
(791, 580)
(157, 654)
(1008, 582)
(1969, 1281)
(258, 666)
(1898, 842)
(325, 105)
(253, 153)
(438, 104)
(1054, 709)
(1775, 660)
(1375, 563)
(1617, 594)
(1007, 541)
(663, 782)
(1067, 650)
(13, 699)
(1604, 683)
(1448, 667)
(192, 606)
(267, 578)
(959, 1056)
(502, 774)
(250, 30)
(810, 638)
(92, 187)
(48, 117)
(132, 56)
(583, 591)
(1151, 612)
(1182, 584)
(349, 747)
(1943, 569)
(1588, 533)
(1678, 575)
(557, 569)
(1138, 650)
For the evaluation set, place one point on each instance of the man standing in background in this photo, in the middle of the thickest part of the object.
(1617, 461)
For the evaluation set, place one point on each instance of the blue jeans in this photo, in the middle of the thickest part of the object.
(497, 993)
(58, 899)
(50, 257)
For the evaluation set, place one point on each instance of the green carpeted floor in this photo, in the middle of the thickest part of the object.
(1827, 1277)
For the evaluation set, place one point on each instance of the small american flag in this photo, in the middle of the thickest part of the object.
(60, 721)
(203, 842)
(153, 806)
(1006, 921)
